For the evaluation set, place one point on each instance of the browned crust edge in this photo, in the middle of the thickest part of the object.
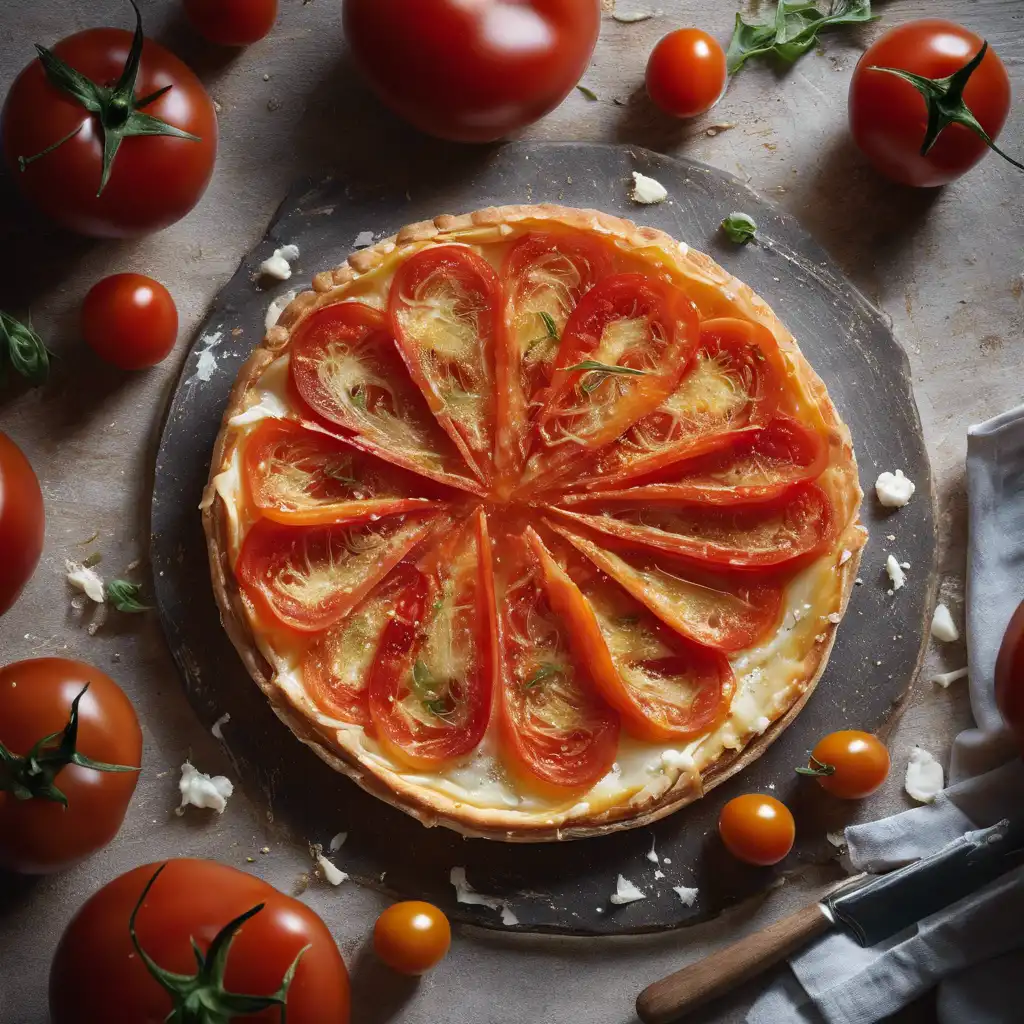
(430, 806)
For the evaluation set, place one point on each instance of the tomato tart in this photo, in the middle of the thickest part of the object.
(535, 523)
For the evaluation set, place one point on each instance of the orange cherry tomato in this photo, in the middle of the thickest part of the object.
(686, 73)
(849, 764)
(757, 829)
(130, 320)
(412, 937)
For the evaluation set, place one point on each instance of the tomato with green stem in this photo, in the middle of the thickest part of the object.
(22, 522)
(109, 134)
(849, 764)
(927, 100)
(757, 829)
(412, 937)
(70, 751)
(686, 73)
(232, 22)
(130, 321)
(193, 940)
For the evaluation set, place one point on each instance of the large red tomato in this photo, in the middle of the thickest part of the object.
(53, 137)
(889, 116)
(140, 937)
(1010, 676)
(21, 522)
(57, 806)
(475, 71)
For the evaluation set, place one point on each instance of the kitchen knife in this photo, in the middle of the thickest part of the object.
(868, 907)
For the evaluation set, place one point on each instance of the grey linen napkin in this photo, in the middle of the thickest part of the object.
(974, 949)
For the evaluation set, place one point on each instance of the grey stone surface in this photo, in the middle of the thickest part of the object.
(946, 267)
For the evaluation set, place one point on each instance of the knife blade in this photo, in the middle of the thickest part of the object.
(869, 908)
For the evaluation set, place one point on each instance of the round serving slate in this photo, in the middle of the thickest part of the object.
(560, 887)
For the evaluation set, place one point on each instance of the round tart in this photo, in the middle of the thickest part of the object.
(535, 523)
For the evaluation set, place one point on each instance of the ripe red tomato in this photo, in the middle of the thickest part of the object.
(40, 835)
(757, 829)
(888, 116)
(849, 764)
(154, 180)
(98, 974)
(1010, 676)
(232, 22)
(130, 320)
(686, 73)
(412, 937)
(472, 72)
(22, 522)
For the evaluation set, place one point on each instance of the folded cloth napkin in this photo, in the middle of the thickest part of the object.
(974, 949)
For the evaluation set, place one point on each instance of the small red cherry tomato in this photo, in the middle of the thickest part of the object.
(130, 320)
(232, 22)
(412, 937)
(1010, 676)
(757, 829)
(889, 117)
(686, 73)
(22, 522)
(849, 764)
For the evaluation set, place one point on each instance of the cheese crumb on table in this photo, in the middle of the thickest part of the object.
(647, 190)
(895, 571)
(337, 842)
(201, 790)
(943, 626)
(87, 580)
(216, 728)
(279, 265)
(331, 873)
(894, 490)
(626, 892)
(652, 854)
(924, 776)
(687, 895)
(631, 17)
(465, 893)
(945, 679)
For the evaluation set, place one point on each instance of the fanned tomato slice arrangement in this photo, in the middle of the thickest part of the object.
(529, 512)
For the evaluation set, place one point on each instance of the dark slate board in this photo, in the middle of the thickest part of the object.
(559, 887)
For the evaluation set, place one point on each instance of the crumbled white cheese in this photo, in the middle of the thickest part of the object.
(924, 776)
(87, 580)
(337, 842)
(200, 790)
(277, 307)
(894, 490)
(666, 860)
(279, 265)
(943, 626)
(216, 729)
(895, 571)
(268, 407)
(845, 556)
(677, 759)
(647, 190)
(687, 895)
(626, 892)
(363, 239)
(631, 17)
(652, 854)
(945, 679)
(837, 839)
(465, 893)
(659, 874)
(834, 617)
(206, 365)
(332, 874)
(507, 917)
(761, 725)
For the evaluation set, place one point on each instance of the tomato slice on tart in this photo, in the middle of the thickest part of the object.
(557, 733)
(759, 536)
(308, 577)
(664, 687)
(444, 308)
(346, 367)
(760, 465)
(305, 478)
(623, 352)
(336, 667)
(432, 680)
(544, 277)
(726, 611)
(732, 386)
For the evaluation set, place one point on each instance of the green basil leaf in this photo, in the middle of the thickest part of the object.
(739, 227)
(589, 93)
(24, 350)
(124, 596)
(593, 364)
(550, 326)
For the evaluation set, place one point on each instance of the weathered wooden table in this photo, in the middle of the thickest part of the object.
(946, 266)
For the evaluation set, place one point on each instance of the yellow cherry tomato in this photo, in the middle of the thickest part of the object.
(757, 829)
(849, 764)
(412, 937)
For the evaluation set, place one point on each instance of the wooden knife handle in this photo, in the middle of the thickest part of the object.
(715, 975)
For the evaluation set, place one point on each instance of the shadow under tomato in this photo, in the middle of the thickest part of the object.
(15, 891)
(378, 993)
